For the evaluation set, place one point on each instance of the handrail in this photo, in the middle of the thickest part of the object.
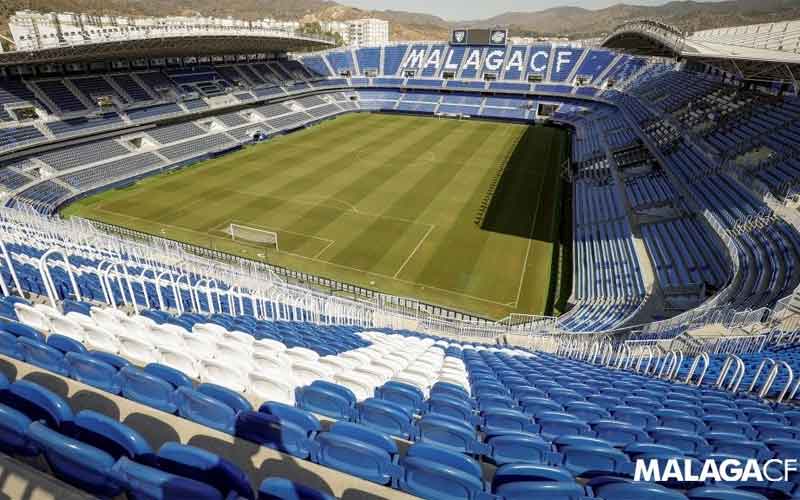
(192, 298)
(649, 361)
(771, 379)
(702, 356)
(624, 357)
(738, 375)
(47, 277)
(175, 292)
(670, 365)
(12, 271)
(758, 372)
(197, 284)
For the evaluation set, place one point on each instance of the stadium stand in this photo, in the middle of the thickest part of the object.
(682, 184)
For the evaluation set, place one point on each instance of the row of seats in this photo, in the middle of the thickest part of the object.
(519, 439)
(106, 458)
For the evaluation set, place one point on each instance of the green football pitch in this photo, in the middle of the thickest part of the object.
(465, 214)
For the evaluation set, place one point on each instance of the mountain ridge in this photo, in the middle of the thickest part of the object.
(570, 21)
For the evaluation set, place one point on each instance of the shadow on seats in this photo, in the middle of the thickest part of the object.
(48, 381)
(155, 431)
(90, 400)
(241, 453)
(8, 369)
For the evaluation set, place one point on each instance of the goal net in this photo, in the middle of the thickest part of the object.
(253, 235)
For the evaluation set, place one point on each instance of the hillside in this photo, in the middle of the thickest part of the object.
(689, 15)
(574, 22)
(404, 25)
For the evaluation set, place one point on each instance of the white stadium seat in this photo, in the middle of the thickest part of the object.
(32, 317)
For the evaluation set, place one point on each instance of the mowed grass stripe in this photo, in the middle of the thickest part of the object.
(252, 168)
(259, 208)
(419, 196)
(352, 181)
(378, 186)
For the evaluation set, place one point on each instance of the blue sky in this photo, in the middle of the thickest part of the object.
(459, 10)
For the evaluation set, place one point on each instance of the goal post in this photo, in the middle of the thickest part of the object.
(253, 235)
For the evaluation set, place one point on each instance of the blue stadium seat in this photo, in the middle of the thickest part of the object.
(198, 407)
(231, 398)
(89, 370)
(142, 482)
(451, 433)
(277, 488)
(14, 439)
(520, 447)
(555, 424)
(111, 436)
(619, 434)
(22, 330)
(328, 399)
(202, 466)
(689, 443)
(534, 406)
(117, 362)
(621, 489)
(722, 493)
(590, 460)
(9, 346)
(274, 432)
(65, 344)
(460, 409)
(357, 450)
(737, 444)
(770, 430)
(303, 419)
(433, 472)
(147, 389)
(175, 377)
(523, 481)
(502, 419)
(387, 417)
(37, 403)
(586, 411)
(41, 355)
(76, 462)
(634, 416)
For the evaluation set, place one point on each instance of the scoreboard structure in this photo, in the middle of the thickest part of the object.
(468, 36)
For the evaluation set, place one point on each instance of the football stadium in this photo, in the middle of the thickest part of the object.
(242, 260)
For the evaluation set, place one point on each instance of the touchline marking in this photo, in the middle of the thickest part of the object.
(419, 244)
(323, 250)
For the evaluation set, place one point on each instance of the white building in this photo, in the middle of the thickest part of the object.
(360, 31)
(35, 30)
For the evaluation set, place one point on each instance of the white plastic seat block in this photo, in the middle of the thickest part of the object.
(306, 372)
(271, 361)
(201, 346)
(63, 325)
(271, 386)
(301, 353)
(32, 317)
(214, 372)
(97, 339)
(137, 351)
(180, 360)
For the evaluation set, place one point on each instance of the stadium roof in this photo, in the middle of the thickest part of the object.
(654, 38)
(172, 45)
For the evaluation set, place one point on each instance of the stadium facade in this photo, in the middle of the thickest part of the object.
(684, 180)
